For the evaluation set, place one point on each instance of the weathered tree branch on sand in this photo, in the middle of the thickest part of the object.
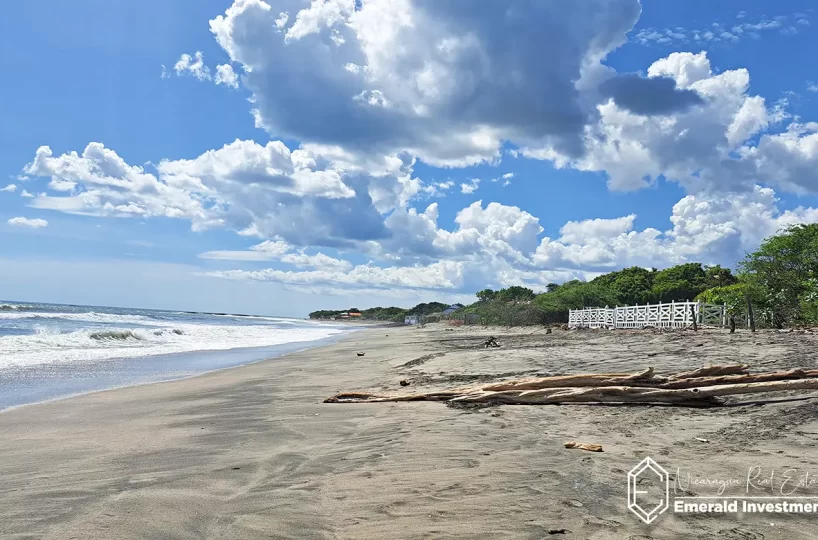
(700, 387)
(710, 371)
(602, 379)
(694, 382)
(631, 394)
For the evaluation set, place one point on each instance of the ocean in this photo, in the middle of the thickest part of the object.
(49, 351)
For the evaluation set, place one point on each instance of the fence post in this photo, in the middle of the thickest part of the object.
(751, 316)
(672, 314)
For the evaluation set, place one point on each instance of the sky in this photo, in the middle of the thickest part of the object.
(282, 156)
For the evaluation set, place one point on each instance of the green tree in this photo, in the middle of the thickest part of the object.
(428, 308)
(679, 283)
(717, 276)
(501, 312)
(515, 293)
(324, 314)
(486, 295)
(573, 295)
(734, 296)
(393, 313)
(785, 270)
(630, 285)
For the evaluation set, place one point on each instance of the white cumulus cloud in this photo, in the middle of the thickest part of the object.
(445, 81)
(192, 65)
(313, 195)
(726, 143)
(35, 223)
(470, 187)
(721, 33)
(440, 275)
(371, 88)
(226, 76)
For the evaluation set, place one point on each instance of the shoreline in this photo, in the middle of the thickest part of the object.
(253, 452)
(318, 343)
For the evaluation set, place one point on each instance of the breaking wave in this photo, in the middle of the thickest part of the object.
(16, 307)
(115, 334)
(49, 344)
(91, 316)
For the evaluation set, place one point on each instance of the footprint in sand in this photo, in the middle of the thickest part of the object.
(593, 520)
(738, 533)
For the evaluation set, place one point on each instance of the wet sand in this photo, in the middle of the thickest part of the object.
(252, 452)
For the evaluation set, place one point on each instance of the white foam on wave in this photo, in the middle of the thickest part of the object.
(91, 316)
(49, 347)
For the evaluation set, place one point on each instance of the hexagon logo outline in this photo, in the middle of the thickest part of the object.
(645, 467)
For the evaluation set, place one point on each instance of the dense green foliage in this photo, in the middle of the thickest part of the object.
(783, 274)
(573, 295)
(486, 295)
(515, 293)
(394, 314)
(780, 279)
(678, 283)
(629, 286)
(326, 313)
(427, 309)
(506, 313)
(733, 296)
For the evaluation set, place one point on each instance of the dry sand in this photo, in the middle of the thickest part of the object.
(253, 452)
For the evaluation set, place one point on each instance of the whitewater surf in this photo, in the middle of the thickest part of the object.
(51, 350)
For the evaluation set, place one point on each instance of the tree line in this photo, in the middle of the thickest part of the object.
(391, 314)
(779, 279)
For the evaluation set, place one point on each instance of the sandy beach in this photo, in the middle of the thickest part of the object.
(252, 452)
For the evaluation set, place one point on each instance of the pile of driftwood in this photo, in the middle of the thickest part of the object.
(701, 387)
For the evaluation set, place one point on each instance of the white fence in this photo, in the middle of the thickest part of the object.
(672, 315)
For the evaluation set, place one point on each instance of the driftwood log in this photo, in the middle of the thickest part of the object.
(699, 387)
(591, 447)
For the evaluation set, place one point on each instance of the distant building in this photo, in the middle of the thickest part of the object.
(471, 318)
(413, 319)
(354, 314)
(451, 309)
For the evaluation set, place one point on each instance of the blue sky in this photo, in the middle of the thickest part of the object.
(279, 156)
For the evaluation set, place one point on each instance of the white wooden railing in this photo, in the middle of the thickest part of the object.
(670, 315)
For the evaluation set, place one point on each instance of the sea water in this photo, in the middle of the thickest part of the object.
(51, 350)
